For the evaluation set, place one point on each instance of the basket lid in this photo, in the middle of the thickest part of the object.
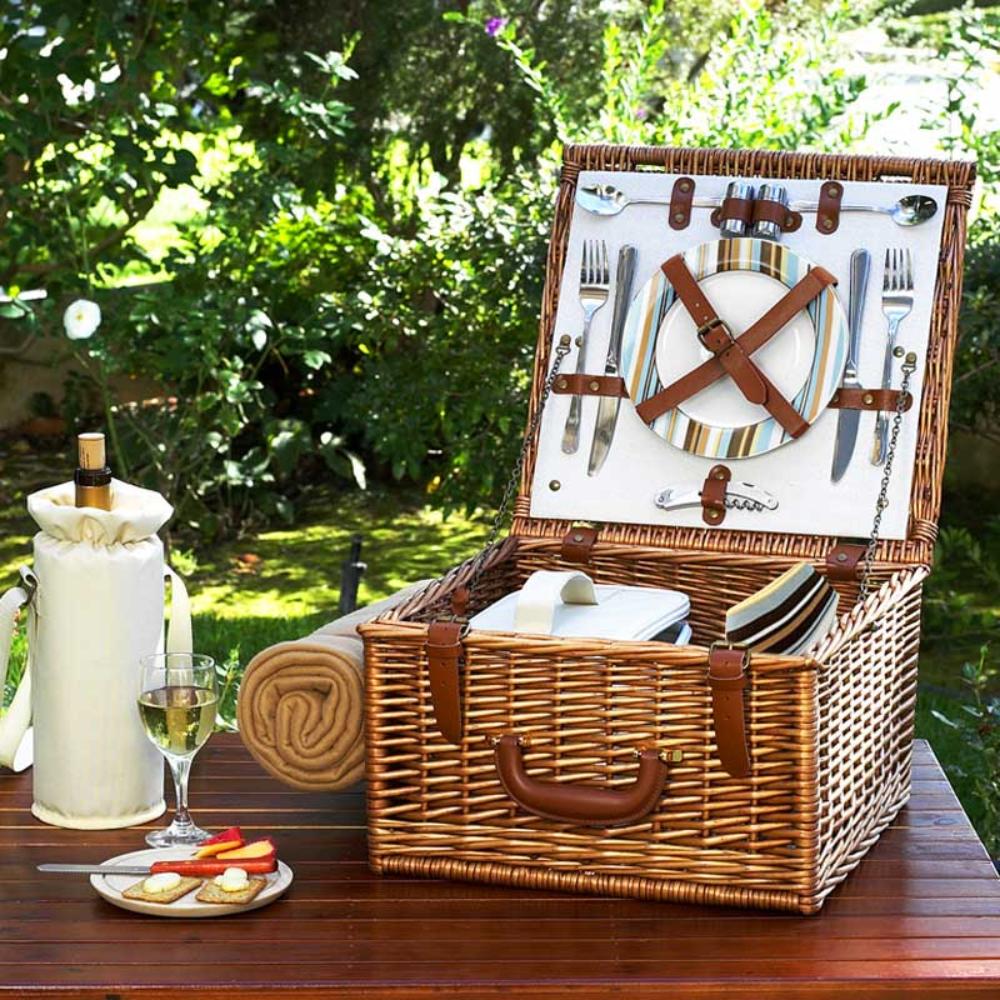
(649, 490)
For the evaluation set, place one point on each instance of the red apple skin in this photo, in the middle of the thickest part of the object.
(209, 867)
(263, 848)
(224, 836)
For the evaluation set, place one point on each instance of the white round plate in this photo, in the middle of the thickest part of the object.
(112, 886)
(786, 359)
(742, 278)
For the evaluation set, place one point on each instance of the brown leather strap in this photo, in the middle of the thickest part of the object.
(759, 333)
(577, 544)
(713, 495)
(590, 385)
(733, 208)
(842, 561)
(765, 210)
(846, 398)
(731, 354)
(680, 203)
(828, 210)
(444, 649)
(727, 679)
(713, 333)
(582, 805)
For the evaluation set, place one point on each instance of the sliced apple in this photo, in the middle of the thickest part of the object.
(256, 849)
(227, 840)
(209, 867)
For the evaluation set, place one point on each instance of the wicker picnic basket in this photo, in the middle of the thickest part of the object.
(588, 722)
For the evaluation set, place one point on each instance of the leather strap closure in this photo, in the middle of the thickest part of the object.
(842, 562)
(713, 495)
(581, 805)
(846, 398)
(740, 209)
(766, 210)
(577, 544)
(680, 203)
(718, 338)
(590, 385)
(755, 337)
(828, 210)
(727, 679)
(444, 650)
(731, 354)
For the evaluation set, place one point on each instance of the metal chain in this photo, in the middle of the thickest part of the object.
(909, 367)
(514, 481)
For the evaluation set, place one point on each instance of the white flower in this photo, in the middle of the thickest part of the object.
(81, 319)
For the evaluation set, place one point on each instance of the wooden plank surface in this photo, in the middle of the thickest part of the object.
(920, 918)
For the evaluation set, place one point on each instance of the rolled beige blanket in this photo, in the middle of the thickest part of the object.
(301, 704)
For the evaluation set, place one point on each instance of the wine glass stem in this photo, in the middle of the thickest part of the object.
(180, 768)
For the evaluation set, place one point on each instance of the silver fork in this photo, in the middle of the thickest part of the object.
(594, 283)
(897, 301)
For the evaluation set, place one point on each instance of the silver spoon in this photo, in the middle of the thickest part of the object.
(605, 199)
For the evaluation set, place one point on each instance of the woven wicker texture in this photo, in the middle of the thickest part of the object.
(829, 734)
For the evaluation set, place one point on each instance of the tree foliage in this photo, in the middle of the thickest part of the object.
(319, 230)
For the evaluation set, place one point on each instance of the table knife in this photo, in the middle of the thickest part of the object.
(607, 410)
(97, 869)
(847, 420)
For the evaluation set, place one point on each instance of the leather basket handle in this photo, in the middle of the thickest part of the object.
(581, 805)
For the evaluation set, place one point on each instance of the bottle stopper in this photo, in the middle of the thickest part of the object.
(93, 454)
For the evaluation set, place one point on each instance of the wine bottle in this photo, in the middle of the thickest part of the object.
(92, 477)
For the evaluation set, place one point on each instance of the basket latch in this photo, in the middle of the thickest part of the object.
(842, 562)
(727, 677)
(578, 543)
(444, 650)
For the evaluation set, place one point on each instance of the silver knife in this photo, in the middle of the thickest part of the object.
(847, 420)
(607, 410)
(97, 869)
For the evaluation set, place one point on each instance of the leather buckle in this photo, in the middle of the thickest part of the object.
(706, 328)
(741, 678)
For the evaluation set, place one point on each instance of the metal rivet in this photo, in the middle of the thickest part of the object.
(789, 220)
(836, 398)
(578, 538)
(720, 474)
(562, 383)
(841, 557)
(564, 340)
(868, 399)
(594, 385)
(911, 358)
(898, 352)
(679, 216)
(827, 223)
(833, 191)
(684, 186)
(579, 341)
(554, 485)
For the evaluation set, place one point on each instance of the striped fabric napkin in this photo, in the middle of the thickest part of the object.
(787, 616)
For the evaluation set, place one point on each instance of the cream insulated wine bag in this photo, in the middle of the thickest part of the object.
(96, 610)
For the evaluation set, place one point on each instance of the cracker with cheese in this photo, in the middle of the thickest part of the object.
(212, 893)
(167, 895)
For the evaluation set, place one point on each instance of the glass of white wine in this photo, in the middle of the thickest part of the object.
(177, 705)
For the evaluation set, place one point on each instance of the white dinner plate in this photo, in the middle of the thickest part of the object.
(785, 359)
(742, 278)
(112, 886)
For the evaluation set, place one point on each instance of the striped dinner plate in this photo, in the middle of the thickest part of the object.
(742, 279)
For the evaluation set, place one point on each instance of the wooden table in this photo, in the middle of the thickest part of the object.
(920, 918)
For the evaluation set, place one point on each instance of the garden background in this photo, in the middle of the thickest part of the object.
(316, 232)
